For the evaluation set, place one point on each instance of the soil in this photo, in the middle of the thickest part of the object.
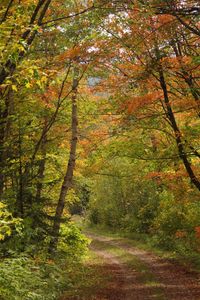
(172, 281)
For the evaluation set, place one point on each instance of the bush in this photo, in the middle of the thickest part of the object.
(174, 226)
(23, 279)
(73, 245)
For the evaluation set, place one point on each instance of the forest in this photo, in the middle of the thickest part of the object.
(99, 149)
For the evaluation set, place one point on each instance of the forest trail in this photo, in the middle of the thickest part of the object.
(131, 273)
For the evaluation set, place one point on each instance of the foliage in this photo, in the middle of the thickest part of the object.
(118, 202)
(25, 277)
(137, 160)
(72, 244)
(8, 223)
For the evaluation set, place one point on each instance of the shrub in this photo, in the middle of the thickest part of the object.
(23, 279)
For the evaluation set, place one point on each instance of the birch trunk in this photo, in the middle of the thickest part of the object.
(67, 182)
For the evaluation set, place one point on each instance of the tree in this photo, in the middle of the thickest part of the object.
(67, 181)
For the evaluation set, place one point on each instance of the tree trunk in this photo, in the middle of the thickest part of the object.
(20, 194)
(67, 182)
(40, 177)
(187, 76)
(9, 67)
(41, 170)
(5, 123)
(177, 133)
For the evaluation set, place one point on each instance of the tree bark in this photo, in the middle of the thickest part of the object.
(177, 133)
(187, 75)
(20, 194)
(67, 182)
(5, 123)
(41, 170)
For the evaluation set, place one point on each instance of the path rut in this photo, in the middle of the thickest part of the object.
(175, 280)
(171, 281)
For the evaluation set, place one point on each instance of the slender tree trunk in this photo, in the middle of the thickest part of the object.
(39, 13)
(67, 182)
(194, 90)
(177, 133)
(187, 76)
(20, 194)
(2, 150)
(5, 122)
(6, 12)
(41, 170)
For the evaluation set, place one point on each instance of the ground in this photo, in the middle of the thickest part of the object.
(121, 271)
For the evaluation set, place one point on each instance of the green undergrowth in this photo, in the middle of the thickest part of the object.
(87, 279)
(35, 279)
(24, 278)
(32, 275)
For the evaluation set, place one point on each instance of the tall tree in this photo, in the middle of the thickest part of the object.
(67, 181)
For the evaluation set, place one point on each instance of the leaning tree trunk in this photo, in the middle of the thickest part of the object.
(182, 153)
(67, 182)
(28, 36)
(187, 76)
(41, 168)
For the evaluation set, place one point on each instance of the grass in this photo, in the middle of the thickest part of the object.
(136, 240)
(86, 279)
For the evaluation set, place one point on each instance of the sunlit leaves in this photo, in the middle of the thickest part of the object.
(7, 222)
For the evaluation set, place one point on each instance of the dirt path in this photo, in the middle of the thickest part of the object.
(134, 274)
(125, 282)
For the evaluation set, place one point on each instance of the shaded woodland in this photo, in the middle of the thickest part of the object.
(100, 117)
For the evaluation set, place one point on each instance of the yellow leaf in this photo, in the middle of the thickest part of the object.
(14, 88)
(28, 85)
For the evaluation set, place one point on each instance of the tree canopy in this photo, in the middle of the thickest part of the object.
(99, 116)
